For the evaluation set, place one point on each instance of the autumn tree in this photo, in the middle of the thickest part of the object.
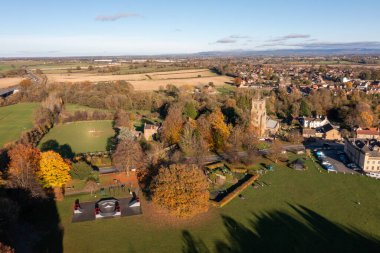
(220, 130)
(171, 127)
(204, 129)
(181, 189)
(294, 136)
(275, 151)
(234, 144)
(24, 163)
(128, 155)
(122, 120)
(91, 186)
(366, 119)
(190, 110)
(54, 172)
(192, 144)
(238, 81)
(250, 145)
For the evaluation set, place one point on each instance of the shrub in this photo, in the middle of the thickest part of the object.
(94, 176)
(80, 170)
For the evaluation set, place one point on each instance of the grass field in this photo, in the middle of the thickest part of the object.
(14, 120)
(149, 81)
(82, 137)
(297, 211)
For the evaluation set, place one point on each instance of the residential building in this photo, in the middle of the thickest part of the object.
(309, 133)
(149, 131)
(365, 153)
(330, 133)
(316, 122)
(368, 133)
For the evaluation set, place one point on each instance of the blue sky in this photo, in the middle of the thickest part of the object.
(120, 27)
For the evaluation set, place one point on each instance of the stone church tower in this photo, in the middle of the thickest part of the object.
(259, 116)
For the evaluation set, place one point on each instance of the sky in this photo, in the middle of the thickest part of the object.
(147, 27)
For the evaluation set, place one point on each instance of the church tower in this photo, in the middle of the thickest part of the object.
(259, 116)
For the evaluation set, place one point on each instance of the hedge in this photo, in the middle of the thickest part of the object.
(214, 166)
(235, 192)
(236, 169)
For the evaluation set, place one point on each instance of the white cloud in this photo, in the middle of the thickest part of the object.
(116, 16)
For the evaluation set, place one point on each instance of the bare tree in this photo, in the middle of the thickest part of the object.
(128, 155)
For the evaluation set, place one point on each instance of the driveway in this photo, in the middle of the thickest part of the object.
(333, 158)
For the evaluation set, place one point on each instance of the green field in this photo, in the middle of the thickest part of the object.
(296, 211)
(14, 120)
(83, 136)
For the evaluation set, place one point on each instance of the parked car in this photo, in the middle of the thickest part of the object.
(330, 168)
(374, 175)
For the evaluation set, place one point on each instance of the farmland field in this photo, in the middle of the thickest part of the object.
(296, 211)
(83, 136)
(14, 120)
(11, 81)
(149, 81)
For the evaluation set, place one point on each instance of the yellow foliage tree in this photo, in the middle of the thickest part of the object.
(53, 172)
(219, 128)
(366, 118)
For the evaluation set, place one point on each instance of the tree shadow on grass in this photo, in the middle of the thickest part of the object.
(29, 223)
(64, 150)
(280, 232)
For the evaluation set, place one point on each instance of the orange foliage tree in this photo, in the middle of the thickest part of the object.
(24, 163)
(181, 189)
(53, 172)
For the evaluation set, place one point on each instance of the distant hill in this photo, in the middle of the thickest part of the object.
(289, 52)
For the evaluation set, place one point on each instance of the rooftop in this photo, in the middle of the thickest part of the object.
(368, 131)
(371, 147)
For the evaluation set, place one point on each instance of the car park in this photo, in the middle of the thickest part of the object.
(343, 158)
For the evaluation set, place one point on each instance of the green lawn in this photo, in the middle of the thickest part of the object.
(226, 89)
(83, 136)
(297, 211)
(14, 120)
